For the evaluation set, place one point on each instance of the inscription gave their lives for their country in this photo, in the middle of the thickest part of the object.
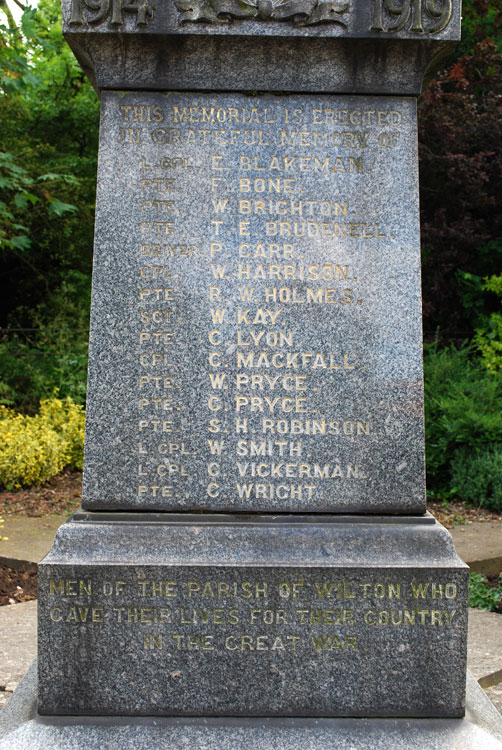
(294, 612)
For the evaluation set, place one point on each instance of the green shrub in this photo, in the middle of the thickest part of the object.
(45, 350)
(35, 448)
(476, 476)
(484, 596)
(463, 411)
(488, 336)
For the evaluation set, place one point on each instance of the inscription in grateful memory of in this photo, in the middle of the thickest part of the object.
(268, 622)
(255, 330)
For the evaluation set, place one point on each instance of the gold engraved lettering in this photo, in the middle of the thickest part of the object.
(160, 227)
(314, 427)
(156, 337)
(325, 229)
(152, 641)
(156, 381)
(158, 588)
(193, 643)
(254, 448)
(294, 361)
(407, 617)
(301, 164)
(157, 184)
(273, 491)
(268, 616)
(156, 490)
(178, 449)
(157, 294)
(155, 316)
(269, 185)
(246, 642)
(322, 642)
(264, 382)
(130, 135)
(189, 616)
(260, 404)
(68, 587)
(170, 469)
(161, 206)
(433, 590)
(325, 616)
(155, 425)
(293, 271)
(224, 590)
(271, 251)
(115, 588)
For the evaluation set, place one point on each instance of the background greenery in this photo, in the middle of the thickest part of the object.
(48, 147)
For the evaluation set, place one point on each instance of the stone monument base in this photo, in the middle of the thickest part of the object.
(21, 728)
(247, 615)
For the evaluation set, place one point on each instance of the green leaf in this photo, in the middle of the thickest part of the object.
(59, 208)
(20, 242)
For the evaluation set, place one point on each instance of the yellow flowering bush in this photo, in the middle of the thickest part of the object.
(33, 449)
(2, 538)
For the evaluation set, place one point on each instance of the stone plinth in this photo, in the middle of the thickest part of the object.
(228, 616)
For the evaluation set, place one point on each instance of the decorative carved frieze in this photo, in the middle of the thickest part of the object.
(301, 12)
(384, 16)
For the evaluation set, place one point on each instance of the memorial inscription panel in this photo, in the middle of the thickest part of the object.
(255, 327)
(309, 640)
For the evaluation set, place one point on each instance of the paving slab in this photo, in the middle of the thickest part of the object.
(479, 544)
(28, 539)
(18, 644)
(484, 652)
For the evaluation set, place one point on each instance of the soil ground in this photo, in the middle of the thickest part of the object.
(17, 586)
(57, 497)
(61, 496)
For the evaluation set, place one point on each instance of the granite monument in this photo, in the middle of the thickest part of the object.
(253, 539)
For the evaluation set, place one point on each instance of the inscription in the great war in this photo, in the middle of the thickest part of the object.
(256, 310)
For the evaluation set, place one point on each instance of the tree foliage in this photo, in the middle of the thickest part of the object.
(460, 117)
(48, 151)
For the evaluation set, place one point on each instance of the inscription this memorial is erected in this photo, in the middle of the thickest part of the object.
(253, 539)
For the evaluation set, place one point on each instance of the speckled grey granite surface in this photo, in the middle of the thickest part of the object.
(252, 618)
(22, 729)
(298, 45)
(255, 328)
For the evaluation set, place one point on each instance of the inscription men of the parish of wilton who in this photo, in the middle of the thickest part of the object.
(256, 310)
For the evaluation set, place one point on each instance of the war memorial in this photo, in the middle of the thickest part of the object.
(253, 564)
